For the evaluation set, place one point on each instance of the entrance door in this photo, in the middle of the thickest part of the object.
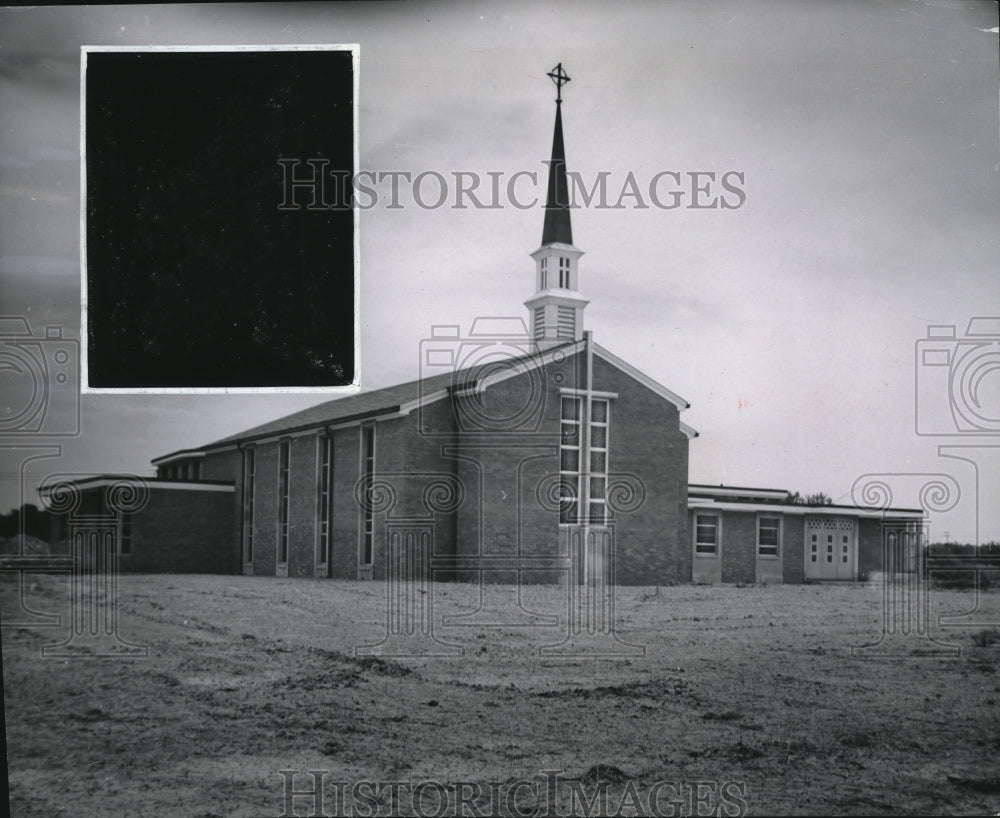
(830, 548)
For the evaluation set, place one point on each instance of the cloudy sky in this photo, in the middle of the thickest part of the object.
(866, 134)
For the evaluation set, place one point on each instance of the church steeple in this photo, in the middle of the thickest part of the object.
(557, 225)
(556, 308)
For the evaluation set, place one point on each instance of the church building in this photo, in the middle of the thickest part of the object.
(513, 448)
(524, 452)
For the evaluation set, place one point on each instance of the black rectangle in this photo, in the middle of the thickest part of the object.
(205, 266)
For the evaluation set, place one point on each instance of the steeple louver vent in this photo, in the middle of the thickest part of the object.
(566, 323)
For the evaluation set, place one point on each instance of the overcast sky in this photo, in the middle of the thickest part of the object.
(866, 134)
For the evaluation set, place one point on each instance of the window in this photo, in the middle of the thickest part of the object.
(768, 536)
(284, 454)
(564, 273)
(325, 502)
(706, 535)
(598, 461)
(569, 462)
(545, 275)
(125, 534)
(368, 471)
(249, 478)
(577, 475)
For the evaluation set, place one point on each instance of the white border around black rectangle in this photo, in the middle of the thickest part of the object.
(334, 391)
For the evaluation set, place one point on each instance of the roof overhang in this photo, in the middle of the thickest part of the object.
(557, 246)
(173, 457)
(554, 295)
(736, 491)
(809, 511)
(100, 481)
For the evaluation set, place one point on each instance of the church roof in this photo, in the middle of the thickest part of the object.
(367, 404)
(340, 410)
(404, 396)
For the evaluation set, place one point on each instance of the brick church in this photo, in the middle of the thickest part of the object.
(524, 452)
(514, 447)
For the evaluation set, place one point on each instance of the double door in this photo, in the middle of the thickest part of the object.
(831, 547)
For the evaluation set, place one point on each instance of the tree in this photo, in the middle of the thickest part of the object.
(35, 522)
(818, 499)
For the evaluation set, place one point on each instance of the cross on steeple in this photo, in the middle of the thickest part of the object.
(560, 78)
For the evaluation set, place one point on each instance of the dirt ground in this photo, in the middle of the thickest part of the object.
(747, 698)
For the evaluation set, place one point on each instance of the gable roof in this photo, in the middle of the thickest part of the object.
(407, 396)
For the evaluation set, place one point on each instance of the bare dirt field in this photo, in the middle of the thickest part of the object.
(738, 699)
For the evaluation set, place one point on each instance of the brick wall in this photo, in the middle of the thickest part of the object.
(227, 466)
(303, 505)
(346, 515)
(500, 474)
(645, 440)
(181, 531)
(793, 547)
(869, 547)
(739, 546)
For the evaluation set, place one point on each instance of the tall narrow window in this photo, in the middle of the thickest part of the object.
(325, 498)
(768, 536)
(706, 535)
(598, 478)
(368, 470)
(569, 462)
(577, 476)
(564, 273)
(283, 469)
(249, 478)
(545, 274)
(125, 534)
